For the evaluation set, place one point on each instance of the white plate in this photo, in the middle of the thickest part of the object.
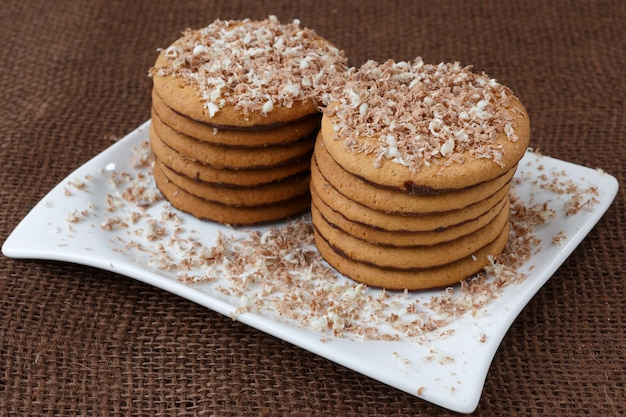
(446, 366)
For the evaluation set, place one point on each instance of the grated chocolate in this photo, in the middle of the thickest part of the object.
(421, 114)
(254, 65)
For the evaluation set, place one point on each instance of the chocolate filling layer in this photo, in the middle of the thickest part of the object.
(257, 128)
(219, 203)
(438, 230)
(300, 158)
(408, 214)
(411, 188)
(344, 255)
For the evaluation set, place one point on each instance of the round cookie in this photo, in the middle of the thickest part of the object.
(183, 98)
(220, 176)
(420, 128)
(418, 279)
(397, 239)
(234, 136)
(236, 216)
(230, 157)
(390, 200)
(410, 256)
(263, 195)
(247, 73)
(390, 222)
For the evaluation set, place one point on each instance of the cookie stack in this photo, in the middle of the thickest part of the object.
(411, 174)
(235, 112)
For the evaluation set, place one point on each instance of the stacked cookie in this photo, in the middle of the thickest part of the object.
(411, 173)
(232, 176)
(235, 112)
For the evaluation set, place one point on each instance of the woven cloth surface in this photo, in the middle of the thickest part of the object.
(79, 341)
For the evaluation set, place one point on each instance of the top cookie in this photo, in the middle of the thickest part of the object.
(423, 128)
(247, 73)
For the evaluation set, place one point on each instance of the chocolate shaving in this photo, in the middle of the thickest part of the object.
(254, 65)
(421, 114)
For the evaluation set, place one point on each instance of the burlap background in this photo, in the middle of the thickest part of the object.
(79, 341)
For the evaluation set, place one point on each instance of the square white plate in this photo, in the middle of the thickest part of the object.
(446, 366)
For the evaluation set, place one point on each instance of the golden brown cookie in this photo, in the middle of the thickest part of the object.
(183, 97)
(262, 195)
(416, 279)
(388, 238)
(247, 73)
(282, 134)
(393, 201)
(232, 157)
(418, 128)
(391, 222)
(408, 257)
(221, 176)
(236, 216)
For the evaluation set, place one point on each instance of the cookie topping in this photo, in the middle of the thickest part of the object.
(277, 272)
(421, 113)
(254, 65)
